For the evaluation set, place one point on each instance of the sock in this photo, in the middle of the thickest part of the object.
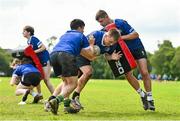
(40, 94)
(149, 96)
(141, 92)
(25, 95)
(60, 98)
(51, 97)
(33, 93)
(75, 94)
(67, 102)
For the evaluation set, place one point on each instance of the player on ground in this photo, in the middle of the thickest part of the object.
(30, 77)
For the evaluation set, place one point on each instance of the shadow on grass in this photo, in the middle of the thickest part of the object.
(129, 115)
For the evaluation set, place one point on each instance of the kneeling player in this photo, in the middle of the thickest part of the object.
(30, 78)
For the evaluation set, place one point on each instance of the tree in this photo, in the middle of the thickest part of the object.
(174, 65)
(5, 59)
(162, 58)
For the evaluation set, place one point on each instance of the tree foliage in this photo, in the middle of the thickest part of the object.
(161, 60)
(5, 59)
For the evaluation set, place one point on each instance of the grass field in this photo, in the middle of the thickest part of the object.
(102, 99)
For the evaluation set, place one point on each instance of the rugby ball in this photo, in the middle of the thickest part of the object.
(97, 50)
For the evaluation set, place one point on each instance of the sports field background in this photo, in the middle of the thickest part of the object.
(102, 99)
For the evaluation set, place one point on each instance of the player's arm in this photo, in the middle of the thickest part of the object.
(114, 56)
(130, 36)
(88, 53)
(41, 48)
(14, 80)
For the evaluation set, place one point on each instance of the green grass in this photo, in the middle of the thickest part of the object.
(102, 99)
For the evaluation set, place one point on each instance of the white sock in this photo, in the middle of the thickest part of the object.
(141, 92)
(40, 94)
(33, 93)
(149, 96)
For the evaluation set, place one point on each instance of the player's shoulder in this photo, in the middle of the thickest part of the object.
(98, 33)
(120, 22)
(33, 38)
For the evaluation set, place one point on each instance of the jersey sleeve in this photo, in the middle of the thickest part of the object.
(17, 71)
(124, 26)
(36, 43)
(85, 42)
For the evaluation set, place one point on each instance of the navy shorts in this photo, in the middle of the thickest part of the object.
(139, 53)
(64, 64)
(82, 61)
(32, 78)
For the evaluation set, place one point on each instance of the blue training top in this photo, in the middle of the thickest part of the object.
(98, 35)
(36, 43)
(24, 69)
(71, 42)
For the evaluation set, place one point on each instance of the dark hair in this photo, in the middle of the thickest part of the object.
(114, 33)
(29, 29)
(76, 23)
(26, 60)
(101, 14)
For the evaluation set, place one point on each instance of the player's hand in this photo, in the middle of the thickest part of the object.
(116, 55)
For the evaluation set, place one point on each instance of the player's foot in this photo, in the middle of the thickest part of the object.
(47, 106)
(37, 98)
(54, 105)
(70, 110)
(22, 103)
(76, 103)
(144, 102)
(151, 105)
(25, 95)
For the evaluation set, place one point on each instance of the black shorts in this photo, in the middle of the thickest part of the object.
(64, 64)
(139, 53)
(33, 79)
(82, 61)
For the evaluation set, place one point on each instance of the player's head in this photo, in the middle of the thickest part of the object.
(111, 37)
(77, 24)
(28, 31)
(26, 60)
(103, 18)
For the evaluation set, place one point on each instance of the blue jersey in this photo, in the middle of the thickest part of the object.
(71, 42)
(98, 35)
(125, 29)
(24, 69)
(36, 43)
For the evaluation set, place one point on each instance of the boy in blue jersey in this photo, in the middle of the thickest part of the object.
(107, 47)
(30, 77)
(131, 37)
(43, 55)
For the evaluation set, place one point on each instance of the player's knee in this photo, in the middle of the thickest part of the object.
(145, 74)
(17, 93)
(89, 72)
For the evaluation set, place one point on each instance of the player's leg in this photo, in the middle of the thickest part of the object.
(135, 84)
(142, 63)
(85, 70)
(47, 73)
(86, 75)
(66, 64)
(23, 90)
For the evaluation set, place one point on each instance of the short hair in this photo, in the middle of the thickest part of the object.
(101, 14)
(29, 29)
(26, 60)
(77, 23)
(114, 33)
